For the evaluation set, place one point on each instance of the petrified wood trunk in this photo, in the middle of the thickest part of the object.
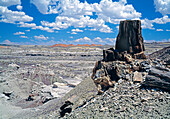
(158, 78)
(130, 38)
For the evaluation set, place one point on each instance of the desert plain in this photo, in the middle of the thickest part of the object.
(34, 77)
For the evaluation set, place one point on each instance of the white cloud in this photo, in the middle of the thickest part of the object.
(117, 27)
(19, 33)
(71, 36)
(94, 29)
(43, 28)
(73, 33)
(9, 2)
(76, 30)
(34, 26)
(42, 5)
(167, 30)
(85, 39)
(112, 40)
(41, 37)
(79, 17)
(106, 8)
(165, 19)
(8, 42)
(19, 7)
(162, 6)
(149, 23)
(63, 22)
(46, 6)
(23, 36)
(27, 30)
(27, 25)
(99, 40)
(10, 16)
(159, 29)
(113, 12)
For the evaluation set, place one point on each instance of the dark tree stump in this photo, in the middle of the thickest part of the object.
(130, 38)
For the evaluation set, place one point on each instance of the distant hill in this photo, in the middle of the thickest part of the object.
(71, 45)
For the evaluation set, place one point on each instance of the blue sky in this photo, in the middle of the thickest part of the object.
(47, 22)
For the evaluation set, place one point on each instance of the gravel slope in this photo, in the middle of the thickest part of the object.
(126, 100)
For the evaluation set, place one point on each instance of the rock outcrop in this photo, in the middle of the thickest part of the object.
(128, 61)
(118, 63)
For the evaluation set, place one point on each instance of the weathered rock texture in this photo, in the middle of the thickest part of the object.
(130, 38)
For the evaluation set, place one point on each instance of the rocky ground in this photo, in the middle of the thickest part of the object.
(145, 96)
(35, 81)
(126, 100)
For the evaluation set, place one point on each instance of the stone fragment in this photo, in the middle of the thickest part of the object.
(8, 93)
(140, 55)
(137, 78)
(57, 84)
(66, 108)
(14, 66)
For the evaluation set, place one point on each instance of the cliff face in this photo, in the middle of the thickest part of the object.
(130, 38)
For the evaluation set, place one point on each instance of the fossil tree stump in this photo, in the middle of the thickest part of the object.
(130, 38)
